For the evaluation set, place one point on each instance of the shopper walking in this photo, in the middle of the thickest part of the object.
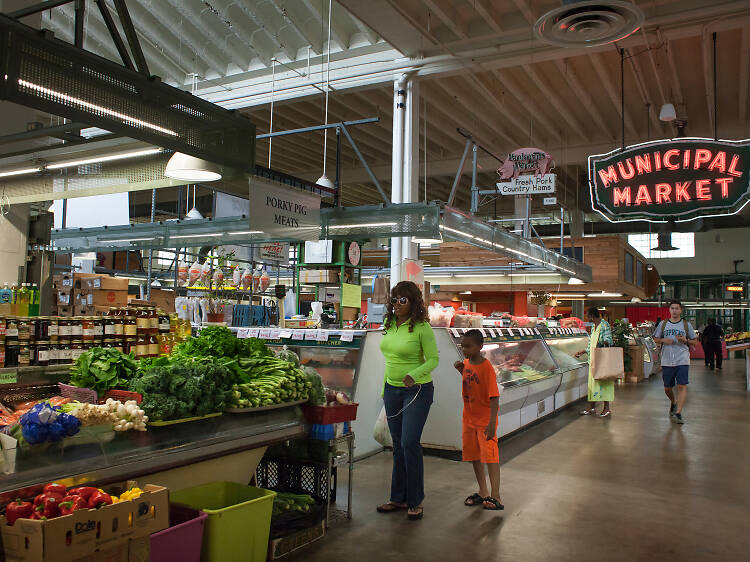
(599, 391)
(479, 433)
(713, 334)
(675, 335)
(411, 354)
(704, 344)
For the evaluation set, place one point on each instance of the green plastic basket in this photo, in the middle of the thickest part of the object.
(239, 520)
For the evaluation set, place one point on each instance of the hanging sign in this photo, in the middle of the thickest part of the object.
(276, 252)
(413, 270)
(527, 185)
(678, 179)
(526, 161)
(283, 214)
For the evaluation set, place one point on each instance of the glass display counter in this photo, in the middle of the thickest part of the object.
(651, 358)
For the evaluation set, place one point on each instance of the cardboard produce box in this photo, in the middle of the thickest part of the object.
(64, 311)
(90, 535)
(104, 282)
(104, 297)
(83, 310)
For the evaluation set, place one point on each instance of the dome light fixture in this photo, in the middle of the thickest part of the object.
(323, 181)
(667, 113)
(574, 281)
(189, 168)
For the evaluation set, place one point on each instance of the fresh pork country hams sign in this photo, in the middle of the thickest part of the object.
(679, 180)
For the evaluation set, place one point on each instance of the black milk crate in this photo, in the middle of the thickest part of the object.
(297, 476)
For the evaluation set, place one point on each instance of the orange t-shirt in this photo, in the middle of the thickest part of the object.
(479, 385)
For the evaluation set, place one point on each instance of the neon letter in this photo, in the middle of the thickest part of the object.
(686, 159)
(733, 167)
(702, 156)
(643, 195)
(622, 196)
(643, 163)
(719, 162)
(657, 161)
(702, 190)
(668, 155)
(631, 171)
(724, 183)
(681, 192)
(608, 176)
(663, 193)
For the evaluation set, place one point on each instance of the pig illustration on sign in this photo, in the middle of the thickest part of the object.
(526, 161)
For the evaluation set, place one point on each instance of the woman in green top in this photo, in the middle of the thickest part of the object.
(411, 354)
(599, 391)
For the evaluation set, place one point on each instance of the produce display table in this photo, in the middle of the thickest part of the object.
(743, 347)
(335, 460)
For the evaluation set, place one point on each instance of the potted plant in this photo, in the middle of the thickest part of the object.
(540, 299)
(621, 334)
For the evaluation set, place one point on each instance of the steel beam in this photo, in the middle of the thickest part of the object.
(116, 37)
(132, 36)
(36, 8)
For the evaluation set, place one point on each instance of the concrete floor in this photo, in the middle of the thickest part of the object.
(633, 487)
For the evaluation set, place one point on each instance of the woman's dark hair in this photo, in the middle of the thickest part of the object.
(594, 312)
(418, 310)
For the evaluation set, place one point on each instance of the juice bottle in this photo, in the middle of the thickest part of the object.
(6, 298)
(22, 307)
(14, 300)
(34, 300)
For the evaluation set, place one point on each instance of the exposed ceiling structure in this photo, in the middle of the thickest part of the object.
(479, 67)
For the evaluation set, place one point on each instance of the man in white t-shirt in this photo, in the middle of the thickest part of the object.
(675, 335)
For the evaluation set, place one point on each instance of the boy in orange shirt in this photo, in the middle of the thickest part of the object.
(481, 396)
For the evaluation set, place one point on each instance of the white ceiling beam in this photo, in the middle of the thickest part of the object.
(675, 87)
(315, 43)
(656, 72)
(555, 102)
(568, 72)
(635, 67)
(706, 48)
(523, 7)
(208, 26)
(450, 18)
(249, 36)
(744, 70)
(525, 101)
(487, 13)
(607, 83)
(321, 17)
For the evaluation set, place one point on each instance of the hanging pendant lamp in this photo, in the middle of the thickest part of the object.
(323, 180)
(194, 213)
(189, 168)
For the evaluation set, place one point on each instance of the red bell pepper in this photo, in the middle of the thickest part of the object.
(50, 508)
(85, 492)
(71, 504)
(99, 499)
(17, 510)
(39, 500)
(55, 488)
(37, 516)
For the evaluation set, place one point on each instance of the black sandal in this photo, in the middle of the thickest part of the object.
(390, 507)
(496, 505)
(416, 516)
(473, 500)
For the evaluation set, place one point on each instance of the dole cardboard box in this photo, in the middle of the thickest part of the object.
(150, 511)
(67, 538)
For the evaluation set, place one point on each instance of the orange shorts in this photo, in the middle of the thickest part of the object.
(476, 447)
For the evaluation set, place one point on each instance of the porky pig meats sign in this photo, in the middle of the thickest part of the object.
(283, 214)
(679, 180)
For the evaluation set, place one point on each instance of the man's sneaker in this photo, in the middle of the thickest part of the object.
(678, 419)
(672, 410)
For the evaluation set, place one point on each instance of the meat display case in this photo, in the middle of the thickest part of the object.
(539, 371)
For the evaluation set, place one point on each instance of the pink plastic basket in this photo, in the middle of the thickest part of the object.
(79, 394)
(122, 395)
(183, 539)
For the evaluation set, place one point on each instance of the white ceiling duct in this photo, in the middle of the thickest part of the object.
(589, 23)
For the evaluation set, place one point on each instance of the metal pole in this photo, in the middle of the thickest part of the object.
(151, 250)
(459, 172)
(474, 186)
(364, 163)
(622, 95)
(526, 223)
(319, 128)
(716, 102)
(337, 196)
(562, 226)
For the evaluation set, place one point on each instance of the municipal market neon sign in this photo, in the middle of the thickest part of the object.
(671, 180)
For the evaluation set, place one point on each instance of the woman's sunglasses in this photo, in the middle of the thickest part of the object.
(399, 300)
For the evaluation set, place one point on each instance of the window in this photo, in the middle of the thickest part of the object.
(629, 259)
(683, 241)
(575, 253)
(639, 280)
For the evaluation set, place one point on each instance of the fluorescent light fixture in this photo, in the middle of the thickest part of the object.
(490, 347)
(189, 168)
(361, 225)
(142, 239)
(88, 256)
(51, 207)
(19, 172)
(603, 294)
(245, 232)
(568, 295)
(197, 235)
(465, 292)
(106, 158)
(427, 240)
(534, 274)
(95, 108)
(574, 281)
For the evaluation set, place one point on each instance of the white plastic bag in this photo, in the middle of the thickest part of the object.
(380, 432)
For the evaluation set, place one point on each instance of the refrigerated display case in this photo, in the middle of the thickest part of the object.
(651, 358)
(570, 350)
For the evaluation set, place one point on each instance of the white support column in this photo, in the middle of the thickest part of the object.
(397, 166)
(410, 182)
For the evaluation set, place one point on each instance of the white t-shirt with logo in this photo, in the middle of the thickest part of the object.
(677, 353)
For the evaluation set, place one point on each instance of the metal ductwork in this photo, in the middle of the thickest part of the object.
(664, 243)
(589, 23)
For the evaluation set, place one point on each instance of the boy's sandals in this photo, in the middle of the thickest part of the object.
(491, 504)
(473, 500)
(416, 513)
(390, 507)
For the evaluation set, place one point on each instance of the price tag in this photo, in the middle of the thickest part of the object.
(9, 377)
(322, 335)
(298, 334)
(493, 332)
(483, 332)
(285, 334)
(242, 333)
(264, 334)
(455, 332)
(347, 335)
(275, 334)
(253, 332)
(311, 335)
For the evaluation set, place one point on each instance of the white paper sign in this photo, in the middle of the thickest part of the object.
(283, 213)
(285, 334)
(242, 333)
(275, 334)
(347, 335)
(253, 332)
(311, 335)
(265, 334)
(322, 335)
(298, 334)
(527, 185)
